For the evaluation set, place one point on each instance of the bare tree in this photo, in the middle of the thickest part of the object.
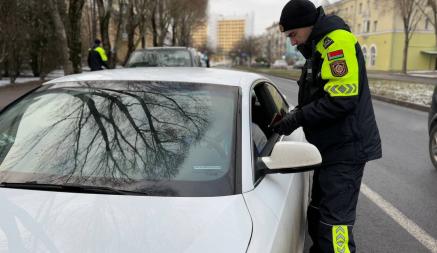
(61, 35)
(186, 15)
(11, 25)
(430, 13)
(27, 38)
(42, 47)
(246, 50)
(132, 18)
(4, 8)
(160, 21)
(105, 8)
(74, 25)
(411, 16)
(144, 12)
(120, 15)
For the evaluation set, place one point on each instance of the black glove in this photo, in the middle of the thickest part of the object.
(290, 122)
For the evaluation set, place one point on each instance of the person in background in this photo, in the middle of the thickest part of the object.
(97, 58)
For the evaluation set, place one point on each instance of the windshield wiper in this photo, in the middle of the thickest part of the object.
(32, 185)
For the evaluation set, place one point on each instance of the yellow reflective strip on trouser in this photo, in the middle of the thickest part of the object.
(341, 90)
(340, 239)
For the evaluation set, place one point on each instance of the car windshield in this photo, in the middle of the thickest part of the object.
(160, 58)
(162, 139)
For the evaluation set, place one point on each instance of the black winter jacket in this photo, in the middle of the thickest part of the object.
(343, 128)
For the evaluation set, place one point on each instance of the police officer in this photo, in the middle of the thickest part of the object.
(336, 113)
(97, 57)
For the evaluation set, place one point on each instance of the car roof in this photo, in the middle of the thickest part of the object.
(168, 74)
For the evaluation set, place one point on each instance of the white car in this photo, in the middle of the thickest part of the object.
(152, 160)
(165, 57)
(280, 64)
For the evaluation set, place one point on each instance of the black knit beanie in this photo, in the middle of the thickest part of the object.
(297, 14)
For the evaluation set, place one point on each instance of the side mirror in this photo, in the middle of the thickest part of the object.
(292, 157)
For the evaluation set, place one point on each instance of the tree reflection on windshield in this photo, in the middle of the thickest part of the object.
(120, 138)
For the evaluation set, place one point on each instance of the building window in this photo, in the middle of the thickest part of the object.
(427, 24)
(364, 49)
(373, 56)
(375, 24)
(366, 26)
(359, 28)
(360, 8)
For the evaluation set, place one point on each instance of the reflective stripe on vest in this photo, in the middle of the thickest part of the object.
(102, 53)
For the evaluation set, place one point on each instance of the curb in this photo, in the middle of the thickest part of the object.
(422, 108)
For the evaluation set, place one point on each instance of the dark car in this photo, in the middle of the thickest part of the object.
(432, 129)
(166, 57)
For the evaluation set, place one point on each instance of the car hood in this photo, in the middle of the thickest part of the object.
(42, 221)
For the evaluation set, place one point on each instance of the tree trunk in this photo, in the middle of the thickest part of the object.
(104, 18)
(405, 58)
(154, 30)
(163, 25)
(74, 35)
(118, 31)
(34, 63)
(131, 26)
(62, 36)
(173, 32)
(143, 33)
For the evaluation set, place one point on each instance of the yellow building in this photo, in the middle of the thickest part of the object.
(200, 36)
(229, 33)
(379, 30)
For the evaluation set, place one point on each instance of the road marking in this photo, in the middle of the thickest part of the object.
(412, 228)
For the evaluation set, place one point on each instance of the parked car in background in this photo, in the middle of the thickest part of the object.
(152, 160)
(279, 64)
(166, 57)
(299, 63)
(432, 129)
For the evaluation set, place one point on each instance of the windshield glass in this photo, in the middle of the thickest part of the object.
(160, 58)
(174, 139)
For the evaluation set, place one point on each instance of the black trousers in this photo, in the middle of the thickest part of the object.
(332, 210)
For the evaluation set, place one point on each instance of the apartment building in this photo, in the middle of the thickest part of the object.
(229, 33)
(200, 35)
(379, 30)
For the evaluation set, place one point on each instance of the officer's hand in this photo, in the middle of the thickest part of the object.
(287, 124)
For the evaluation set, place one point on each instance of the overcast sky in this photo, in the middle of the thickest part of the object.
(265, 11)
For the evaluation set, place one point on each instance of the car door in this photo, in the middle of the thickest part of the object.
(278, 202)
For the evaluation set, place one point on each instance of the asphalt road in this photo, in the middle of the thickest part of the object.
(11, 92)
(403, 216)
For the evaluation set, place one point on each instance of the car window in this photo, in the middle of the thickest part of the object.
(157, 138)
(160, 58)
(266, 102)
(279, 101)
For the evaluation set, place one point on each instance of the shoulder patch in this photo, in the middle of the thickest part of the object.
(338, 68)
(327, 42)
(337, 54)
